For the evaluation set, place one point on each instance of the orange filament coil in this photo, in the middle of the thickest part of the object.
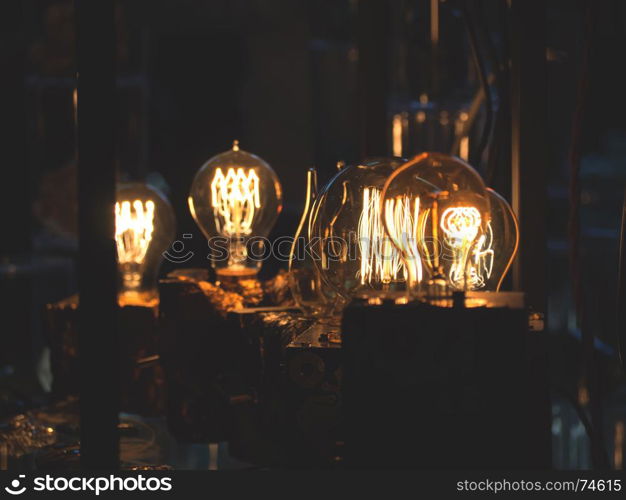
(402, 224)
(133, 230)
(235, 198)
(380, 260)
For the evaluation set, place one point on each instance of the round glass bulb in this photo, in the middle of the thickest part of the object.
(496, 247)
(353, 253)
(144, 228)
(436, 207)
(235, 199)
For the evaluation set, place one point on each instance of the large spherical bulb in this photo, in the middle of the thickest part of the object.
(235, 199)
(144, 228)
(352, 251)
(436, 206)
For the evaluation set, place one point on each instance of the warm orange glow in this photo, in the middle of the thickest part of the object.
(434, 22)
(460, 226)
(464, 148)
(134, 298)
(235, 198)
(134, 225)
(380, 261)
(401, 218)
(481, 263)
(396, 132)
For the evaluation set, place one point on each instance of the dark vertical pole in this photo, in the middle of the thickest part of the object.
(528, 193)
(98, 341)
(529, 147)
(373, 76)
(15, 199)
(621, 289)
(15, 195)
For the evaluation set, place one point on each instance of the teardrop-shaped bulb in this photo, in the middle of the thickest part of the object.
(449, 209)
(235, 199)
(496, 247)
(144, 229)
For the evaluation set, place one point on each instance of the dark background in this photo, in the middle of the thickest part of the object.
(281, 76)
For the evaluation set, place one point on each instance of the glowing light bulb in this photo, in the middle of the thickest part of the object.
(380, 262)
(144, 229)
(436, 212)
(401, 216)
(355, 254)
(496, 247)
(459, 228)
(235, 199)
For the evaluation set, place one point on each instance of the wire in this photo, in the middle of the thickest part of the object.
(477, 153)
(501, 126)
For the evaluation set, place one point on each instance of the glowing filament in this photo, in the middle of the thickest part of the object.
(380, 261)
(235, 198)
(133, 230)
(460, 226)
(481, 263)
(402, 224)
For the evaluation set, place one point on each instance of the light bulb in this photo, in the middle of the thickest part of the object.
(311, 294)
(355, 255)
(435, 210)
(496, 247)
(235, 199)
(144, 229)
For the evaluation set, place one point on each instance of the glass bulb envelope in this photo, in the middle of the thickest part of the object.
(144, 228)
(352, 251)
(436, 211)
(235, 199)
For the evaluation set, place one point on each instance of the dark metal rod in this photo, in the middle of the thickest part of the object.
(529, 146)
(372, 73)
(15, 194)
(621, 289)
(98, 337)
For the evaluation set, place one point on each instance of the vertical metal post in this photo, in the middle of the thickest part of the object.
(98, 340)
(373, 76)
(528, 193)
(528, 146)
(15, 195)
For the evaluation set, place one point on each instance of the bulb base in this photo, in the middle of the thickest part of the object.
(229, 278)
